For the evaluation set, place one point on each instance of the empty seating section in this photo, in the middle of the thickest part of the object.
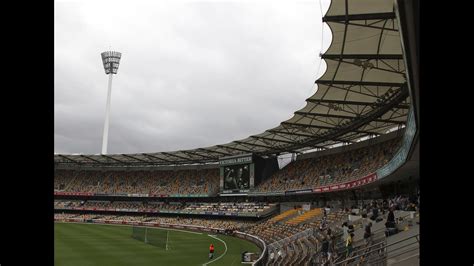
(331, 218)
(67, 203)
(210, 223)
(335, 168)
(305, 216)
(201, 207)
(139, 182)
(271, 231)
(301, 174)
(232, 207)
(296, 242)
(285, 214)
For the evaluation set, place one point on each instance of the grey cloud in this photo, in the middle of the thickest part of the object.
(192, 74)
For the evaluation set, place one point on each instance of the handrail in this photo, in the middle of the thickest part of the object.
(377, 232)
(364, 248)
(383, 247)
(389, 257)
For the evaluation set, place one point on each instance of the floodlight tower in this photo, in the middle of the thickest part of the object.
(111, 60)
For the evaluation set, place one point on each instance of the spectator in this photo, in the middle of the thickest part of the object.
(349, 244)
(411, 207)
(325, 250)
(368, 234)
(390, 219)
(345, 231)
(375, 212)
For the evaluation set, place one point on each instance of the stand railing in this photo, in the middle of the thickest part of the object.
(381, 248)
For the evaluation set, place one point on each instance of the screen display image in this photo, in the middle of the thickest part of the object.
(237, 177)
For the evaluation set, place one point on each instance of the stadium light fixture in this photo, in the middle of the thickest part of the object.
(111, 61)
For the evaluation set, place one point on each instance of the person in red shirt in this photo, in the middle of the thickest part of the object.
(211, 251)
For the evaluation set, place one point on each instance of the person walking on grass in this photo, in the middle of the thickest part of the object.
(211, 251)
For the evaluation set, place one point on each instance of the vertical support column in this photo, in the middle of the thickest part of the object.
(111, 61)
(105, 136)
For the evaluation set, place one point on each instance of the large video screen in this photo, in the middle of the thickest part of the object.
(237, 177)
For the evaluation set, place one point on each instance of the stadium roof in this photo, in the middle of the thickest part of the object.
(362, 93)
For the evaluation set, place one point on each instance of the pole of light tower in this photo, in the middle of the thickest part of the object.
(111, 61)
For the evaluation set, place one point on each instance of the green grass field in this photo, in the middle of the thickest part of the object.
(93, 244)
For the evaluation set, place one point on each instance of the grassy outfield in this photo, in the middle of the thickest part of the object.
(93, 244)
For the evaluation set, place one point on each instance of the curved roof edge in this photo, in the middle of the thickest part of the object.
(363, 93)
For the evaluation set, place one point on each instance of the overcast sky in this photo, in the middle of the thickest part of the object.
(192, 74)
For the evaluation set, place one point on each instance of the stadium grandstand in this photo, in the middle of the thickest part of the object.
(348, 196)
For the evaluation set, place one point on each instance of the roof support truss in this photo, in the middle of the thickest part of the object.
(322, 127)
(134, 158)
(363, 20)
(112, 158)
(270, 139)
(347, 117)
(233, 148)
(363, 56)
(358, 83)
(69, 159)
(154, 157)
(218, 152)
(176, 156)
(354, 17)
(197, 154)
(89, 158)
(400, 106)
(290, 133)
(264, 146)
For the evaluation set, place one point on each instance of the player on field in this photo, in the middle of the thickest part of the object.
(211, 251)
